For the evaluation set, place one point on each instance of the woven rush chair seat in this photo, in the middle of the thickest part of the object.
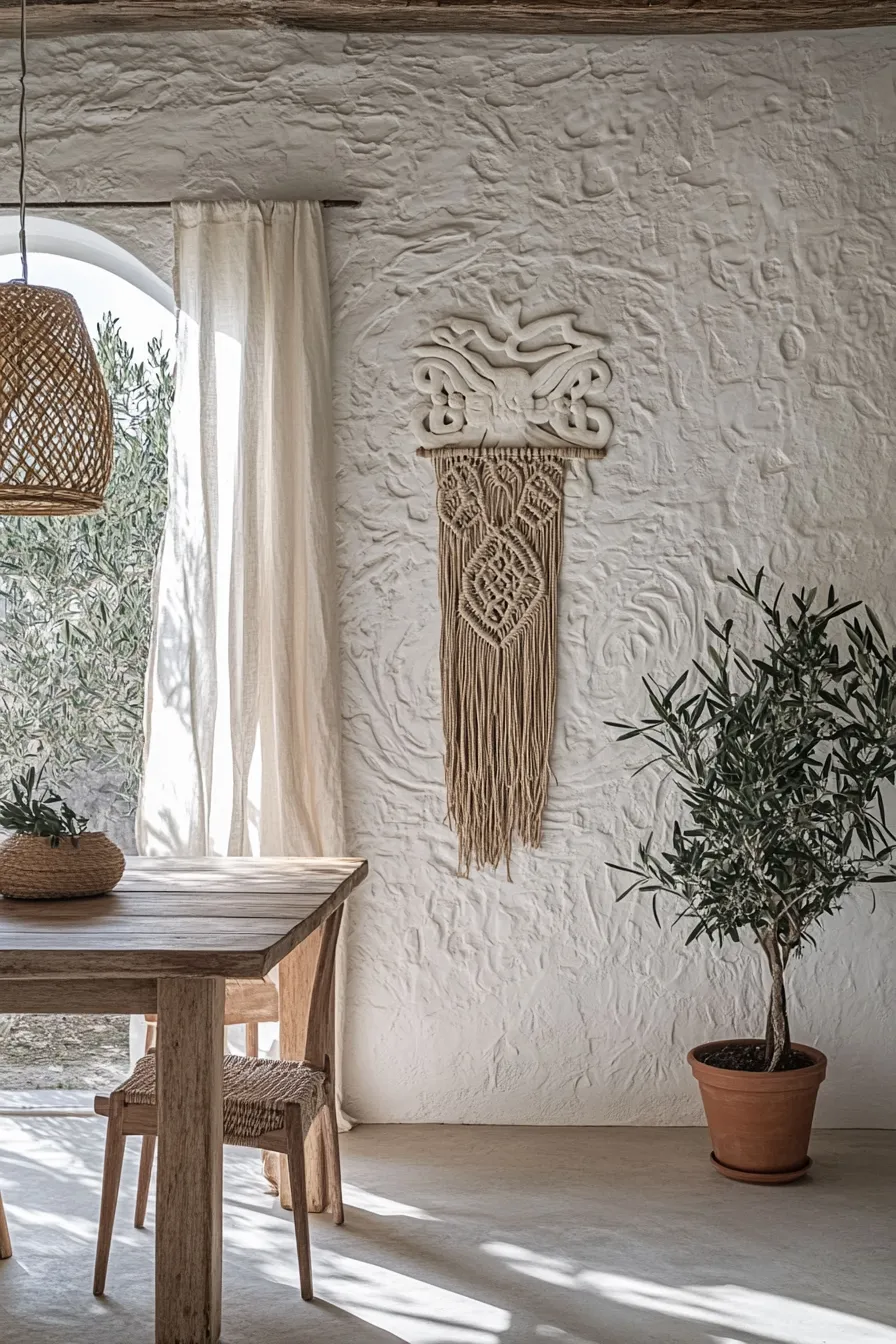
(256, 1094)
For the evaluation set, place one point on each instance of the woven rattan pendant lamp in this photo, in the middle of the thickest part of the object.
(55, 416)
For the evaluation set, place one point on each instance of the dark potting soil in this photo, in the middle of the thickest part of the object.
(750, 1058)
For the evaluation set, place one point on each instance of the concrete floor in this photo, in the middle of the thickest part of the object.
(482, 1236)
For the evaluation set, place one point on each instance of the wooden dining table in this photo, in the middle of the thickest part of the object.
(165, 941)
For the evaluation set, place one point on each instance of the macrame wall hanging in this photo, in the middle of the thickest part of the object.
(503, 413)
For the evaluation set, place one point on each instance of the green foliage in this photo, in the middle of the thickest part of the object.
(75, 593)
(780, 760)
(37, 810)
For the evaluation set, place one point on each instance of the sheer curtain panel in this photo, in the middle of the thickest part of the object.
(242, 714)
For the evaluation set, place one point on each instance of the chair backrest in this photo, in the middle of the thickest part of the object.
(320, 1030)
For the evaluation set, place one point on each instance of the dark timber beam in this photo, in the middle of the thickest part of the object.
(591, 17)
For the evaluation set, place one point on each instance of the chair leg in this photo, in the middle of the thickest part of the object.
(5, 1240)
(333, 1164)
(115, 1141)
(251, 1040)
(295, 1156)
(144, 1178)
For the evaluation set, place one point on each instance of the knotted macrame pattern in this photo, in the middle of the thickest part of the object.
(501, 539)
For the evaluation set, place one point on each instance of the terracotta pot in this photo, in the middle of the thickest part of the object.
(33, 869)
(759, 1123)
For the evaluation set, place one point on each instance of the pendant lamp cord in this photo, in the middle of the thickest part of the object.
(23, 136)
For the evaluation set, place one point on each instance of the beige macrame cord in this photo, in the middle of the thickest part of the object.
(500, 545)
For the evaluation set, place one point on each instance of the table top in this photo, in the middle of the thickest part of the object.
(233, 917)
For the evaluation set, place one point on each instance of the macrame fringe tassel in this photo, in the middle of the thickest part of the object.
(498, 698)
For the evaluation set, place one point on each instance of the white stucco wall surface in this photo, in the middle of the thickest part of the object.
(722, 211)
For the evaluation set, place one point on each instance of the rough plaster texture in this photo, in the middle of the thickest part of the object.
(721, 210)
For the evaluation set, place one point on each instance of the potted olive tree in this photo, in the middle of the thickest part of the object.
(779, 759)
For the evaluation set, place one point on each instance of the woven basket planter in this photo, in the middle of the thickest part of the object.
(32, 870)
(55, 415)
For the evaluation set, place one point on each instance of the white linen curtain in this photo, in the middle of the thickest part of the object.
(242, 715)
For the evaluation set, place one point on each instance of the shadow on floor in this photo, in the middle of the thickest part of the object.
(480, 1236)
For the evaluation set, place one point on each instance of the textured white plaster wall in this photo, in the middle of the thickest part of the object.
(722, 210)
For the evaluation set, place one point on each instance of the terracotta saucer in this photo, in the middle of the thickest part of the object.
(760, 1177)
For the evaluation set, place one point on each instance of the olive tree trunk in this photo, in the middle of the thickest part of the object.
(777, 1026)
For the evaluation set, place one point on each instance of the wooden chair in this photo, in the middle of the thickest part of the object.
(5, 1242)
(246, 1003)
(268, 1104)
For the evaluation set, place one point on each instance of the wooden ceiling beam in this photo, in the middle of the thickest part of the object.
(584, 17)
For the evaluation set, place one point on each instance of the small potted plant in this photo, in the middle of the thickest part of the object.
(51, 854)
(779, 759)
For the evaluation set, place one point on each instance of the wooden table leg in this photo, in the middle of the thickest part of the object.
(5, 1241)
(188, 1198)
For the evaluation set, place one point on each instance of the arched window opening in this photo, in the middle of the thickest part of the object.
(75, 608)
(102, 276)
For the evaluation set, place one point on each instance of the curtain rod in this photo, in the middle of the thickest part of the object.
(133, 205)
